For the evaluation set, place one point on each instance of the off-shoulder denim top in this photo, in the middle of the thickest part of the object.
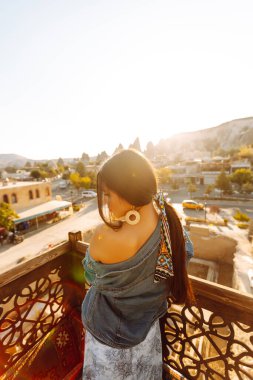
(123, 300)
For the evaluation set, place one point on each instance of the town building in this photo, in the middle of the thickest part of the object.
(33, 203)
(236, 165)
(23, 195)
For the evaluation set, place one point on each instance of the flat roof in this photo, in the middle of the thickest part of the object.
(13, 184)
(43, 209)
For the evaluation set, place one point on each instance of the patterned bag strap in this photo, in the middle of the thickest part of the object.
(164, 265)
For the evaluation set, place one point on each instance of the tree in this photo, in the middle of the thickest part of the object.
(242, 176)
(11, 169)
(247, 187)
(93, 177)
(208, 189)
(163, 175)
(223, 182)
(28, 164)
(66, 175)
(35, 174)
(7, 214)
(51, 172)
(85, 182)
(75, 179)
(246, 152)
(80, 169)
(191, 188)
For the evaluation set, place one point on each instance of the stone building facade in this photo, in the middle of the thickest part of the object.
(24, 195)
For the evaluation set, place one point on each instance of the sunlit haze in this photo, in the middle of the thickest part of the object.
(84, 76)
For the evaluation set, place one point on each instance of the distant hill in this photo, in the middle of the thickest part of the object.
(13, 160)
(230, 135)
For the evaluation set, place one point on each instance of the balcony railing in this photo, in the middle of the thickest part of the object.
(41, 334)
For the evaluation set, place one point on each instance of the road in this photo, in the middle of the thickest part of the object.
(38, 241)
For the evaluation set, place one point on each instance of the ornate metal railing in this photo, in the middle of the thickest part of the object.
(41, 334)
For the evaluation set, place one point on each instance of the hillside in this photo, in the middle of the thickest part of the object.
(230, 135)
(12, 160)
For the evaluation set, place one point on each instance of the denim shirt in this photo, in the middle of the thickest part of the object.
(123, 301)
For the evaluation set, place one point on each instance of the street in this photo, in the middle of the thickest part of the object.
(37, 241)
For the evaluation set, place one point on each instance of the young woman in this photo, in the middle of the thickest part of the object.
(136, 259)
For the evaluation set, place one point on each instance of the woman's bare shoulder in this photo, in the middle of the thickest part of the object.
(108, 245)
(101, 241)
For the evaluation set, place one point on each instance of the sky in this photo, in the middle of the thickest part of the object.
(86, 75)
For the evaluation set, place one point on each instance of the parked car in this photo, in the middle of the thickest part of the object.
(192, 204)
(63, 185)
(89, 194)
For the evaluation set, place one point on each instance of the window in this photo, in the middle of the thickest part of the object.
(47, 192)
(14, 198)
(6, 198)
(37, 193)
(30, 194)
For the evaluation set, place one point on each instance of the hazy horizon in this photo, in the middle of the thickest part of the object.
(143, 147)
(86, 76)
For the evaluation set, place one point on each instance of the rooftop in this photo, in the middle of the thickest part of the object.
(19, 184)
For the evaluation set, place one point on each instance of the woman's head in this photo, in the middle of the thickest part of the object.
(129, 176)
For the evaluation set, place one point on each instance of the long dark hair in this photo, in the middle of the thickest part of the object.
(181, 288)
(130, 175)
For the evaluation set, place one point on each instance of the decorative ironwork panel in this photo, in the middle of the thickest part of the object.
(201, 344)
(29, 309)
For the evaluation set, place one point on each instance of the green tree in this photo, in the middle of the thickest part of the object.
(223, 182)
(246, 152)
(66, 175)
(80, 169)
(93, 178)
(208, 189)
(11, 169)
(247, 187)
(242, 176)
(35, 174)
(163, 175)
(51, 172)
(7, 214)
(192, 188)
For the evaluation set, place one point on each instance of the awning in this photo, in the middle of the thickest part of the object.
(40, 210)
